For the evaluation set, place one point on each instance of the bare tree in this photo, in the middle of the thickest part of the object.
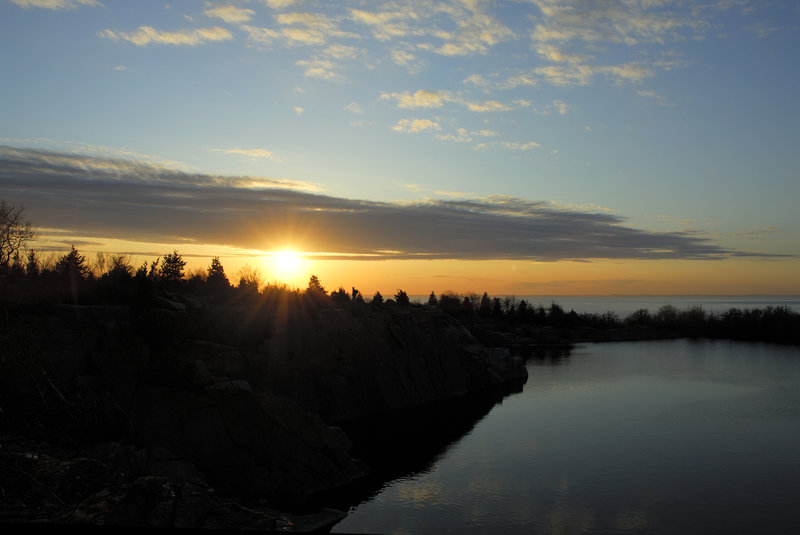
(250, 279)
(15, 231)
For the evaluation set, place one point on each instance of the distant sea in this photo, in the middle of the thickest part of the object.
(624, 305)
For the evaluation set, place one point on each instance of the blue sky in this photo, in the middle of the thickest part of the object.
(668, 116)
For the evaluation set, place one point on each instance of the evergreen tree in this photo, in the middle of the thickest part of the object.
(216, 275)
(466, 306)
(172, 267)
(315, 287)
(72, 264)
(32, 268)
(485, 307)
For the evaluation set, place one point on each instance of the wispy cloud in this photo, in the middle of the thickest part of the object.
(229, 13)
(408, 60)
(56, 4)
(562, 107)
(92, 198)
(420, 99)
(416, 125)
(255, 154)
(628, 23)
(509, 145)
(354, 107)
(323, 69)
(310, 28)
(425, 98)
(661, 100)
(461, 136)
(385, 25)
(281, 4)
(476, 31)
(757, 234)
(488, 106)
(146, 35)
(575, 38)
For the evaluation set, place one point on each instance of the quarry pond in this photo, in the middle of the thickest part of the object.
(678, 436)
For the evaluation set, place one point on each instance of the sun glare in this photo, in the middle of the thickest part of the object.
(286, 264)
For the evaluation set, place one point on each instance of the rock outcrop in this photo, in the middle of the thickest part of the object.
(241, 398)
(117, 486)
(344, 364)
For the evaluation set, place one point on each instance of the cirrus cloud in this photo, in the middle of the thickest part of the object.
(230, 14)
(254, 154)
(416, 125)
(56, 4)
(146, 35)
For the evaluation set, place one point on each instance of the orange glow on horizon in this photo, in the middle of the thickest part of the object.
(293, 266)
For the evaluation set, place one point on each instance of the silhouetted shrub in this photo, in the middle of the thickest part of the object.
(356, 296)
(340, 296)
(497, 308)
(450, 302)
(640, 317)
(667, 316)
(250, 280)
(485, 306)
(401, 298)
(466, 306)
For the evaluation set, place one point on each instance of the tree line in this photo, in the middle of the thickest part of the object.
(27, 276)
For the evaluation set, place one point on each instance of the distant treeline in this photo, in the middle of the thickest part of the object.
(113, 279)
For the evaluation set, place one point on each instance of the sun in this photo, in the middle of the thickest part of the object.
(286, 264)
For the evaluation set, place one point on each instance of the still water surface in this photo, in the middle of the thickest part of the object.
(672, 436)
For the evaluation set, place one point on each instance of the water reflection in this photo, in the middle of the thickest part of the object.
(407, 443)
(544, 354)
(651, 437)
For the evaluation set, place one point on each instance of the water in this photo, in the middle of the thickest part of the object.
(639, 437)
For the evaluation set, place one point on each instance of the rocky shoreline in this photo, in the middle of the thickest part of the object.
(251, 413)
(186, 413)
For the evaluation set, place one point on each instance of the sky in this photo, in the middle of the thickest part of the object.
(517, 147)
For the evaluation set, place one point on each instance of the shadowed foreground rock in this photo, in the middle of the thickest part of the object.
(121, 486)
(187, 414)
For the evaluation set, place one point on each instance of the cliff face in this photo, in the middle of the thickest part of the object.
(349, 363)
(244, 394)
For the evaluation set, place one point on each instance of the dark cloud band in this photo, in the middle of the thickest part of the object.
(130, 200)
